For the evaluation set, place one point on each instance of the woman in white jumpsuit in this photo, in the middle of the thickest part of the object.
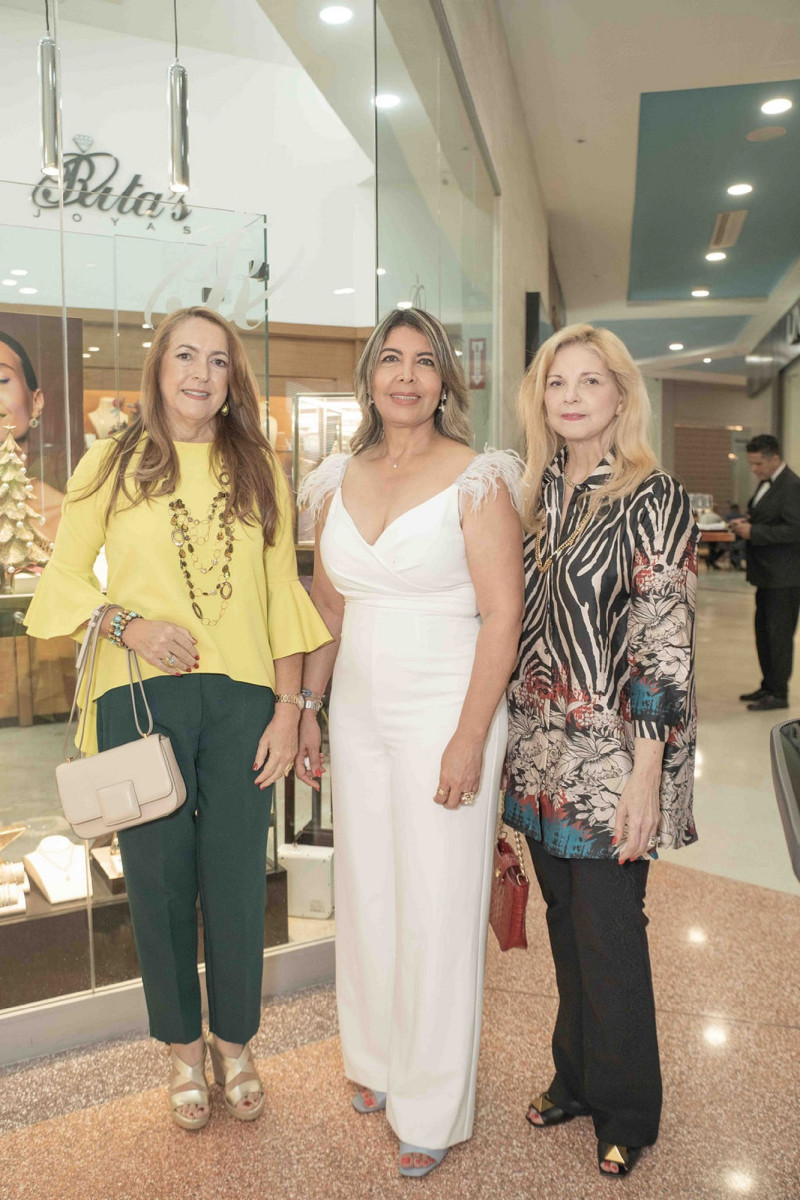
(419, 578)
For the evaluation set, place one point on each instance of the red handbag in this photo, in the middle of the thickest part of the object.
(509, 894)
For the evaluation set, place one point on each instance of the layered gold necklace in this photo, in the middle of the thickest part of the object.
(188, 534)
(546, 564)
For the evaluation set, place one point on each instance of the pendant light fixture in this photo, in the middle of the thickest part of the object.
(48, 100)
(178, 104)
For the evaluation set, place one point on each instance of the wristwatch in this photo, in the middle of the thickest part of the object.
(290, 698)
(311, 701)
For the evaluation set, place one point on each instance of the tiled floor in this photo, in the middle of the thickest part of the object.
(725, 939)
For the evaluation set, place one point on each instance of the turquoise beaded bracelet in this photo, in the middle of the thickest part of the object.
(119, 623)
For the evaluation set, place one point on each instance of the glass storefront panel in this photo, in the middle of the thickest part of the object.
(285, 135)
(435, 197)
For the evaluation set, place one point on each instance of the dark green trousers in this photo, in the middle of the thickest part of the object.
(214, 846)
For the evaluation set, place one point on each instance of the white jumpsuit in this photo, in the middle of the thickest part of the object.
(412, 879)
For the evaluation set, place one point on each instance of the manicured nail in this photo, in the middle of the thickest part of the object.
(318, 772)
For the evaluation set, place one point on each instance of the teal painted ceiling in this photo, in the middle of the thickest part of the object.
(649, 337)
(692, 146)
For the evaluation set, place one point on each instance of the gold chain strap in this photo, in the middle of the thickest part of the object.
(573, 537)
(501, 833)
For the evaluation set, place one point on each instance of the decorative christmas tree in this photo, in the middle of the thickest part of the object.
(22, 543)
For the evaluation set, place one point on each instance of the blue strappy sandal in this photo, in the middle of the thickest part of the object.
(418, 1172)
(360, 1105)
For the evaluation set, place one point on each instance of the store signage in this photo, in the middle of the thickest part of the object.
(477, 364)
(92, 180)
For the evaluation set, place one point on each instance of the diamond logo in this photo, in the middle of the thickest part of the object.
(83, 142)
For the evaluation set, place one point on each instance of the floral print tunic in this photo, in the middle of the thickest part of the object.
(606, 656)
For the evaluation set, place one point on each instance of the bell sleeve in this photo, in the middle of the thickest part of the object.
(661, 619)
(293, 623)
(69, 591)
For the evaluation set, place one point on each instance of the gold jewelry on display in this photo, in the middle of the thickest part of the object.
(573, 537)
(188, 532)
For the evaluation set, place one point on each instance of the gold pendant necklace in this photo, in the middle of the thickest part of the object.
(573, 537)
(188, 531)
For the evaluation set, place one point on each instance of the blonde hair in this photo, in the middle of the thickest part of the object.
(240, 446)
(633, 456)
(453, 421)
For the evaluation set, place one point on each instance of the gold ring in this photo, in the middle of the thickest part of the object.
(467, 799)
(441, 792)
(652, 842)
(288, 769)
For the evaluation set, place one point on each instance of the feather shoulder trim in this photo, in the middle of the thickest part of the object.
(321, 483)
(486, 471)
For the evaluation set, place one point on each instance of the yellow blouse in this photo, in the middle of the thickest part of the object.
(269, 614)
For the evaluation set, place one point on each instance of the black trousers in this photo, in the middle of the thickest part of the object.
(605, 1046)
(776, 621)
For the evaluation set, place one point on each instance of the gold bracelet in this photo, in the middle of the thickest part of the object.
(290, 698)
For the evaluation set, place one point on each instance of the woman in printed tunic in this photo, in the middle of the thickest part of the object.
(602, 719)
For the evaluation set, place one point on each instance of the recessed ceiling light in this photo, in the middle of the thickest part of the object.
(387, 100)
(699, 293)
(716, 256)
(766, 133)
(676, 345)
(28, 291)
(740, 189)
(146, 326)
(381, 271)
(715, 1035)
(778, 105)
(697, 936)
(93, 349)
(147, 345)
(9, 283)
(19, 271)
(706, 360)
(336, 14)
(405, 303)
(343, 291)
(85, 355)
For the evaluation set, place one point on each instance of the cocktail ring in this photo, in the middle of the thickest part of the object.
(467, 798)
(168, 660)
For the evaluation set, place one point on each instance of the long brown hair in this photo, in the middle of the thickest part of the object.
(240, 447)
(634, 458)
(453, 420)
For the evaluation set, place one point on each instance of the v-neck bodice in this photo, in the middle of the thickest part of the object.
(418, 560)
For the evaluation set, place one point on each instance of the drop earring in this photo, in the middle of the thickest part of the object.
(225, 409)
(443, 401)
(34, 422)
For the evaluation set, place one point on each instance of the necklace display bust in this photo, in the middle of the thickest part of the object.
(57, 866)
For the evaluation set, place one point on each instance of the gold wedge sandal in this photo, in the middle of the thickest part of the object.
(188, 1085)
(226, 1070)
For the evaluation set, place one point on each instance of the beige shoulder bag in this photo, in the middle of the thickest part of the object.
(128, 785)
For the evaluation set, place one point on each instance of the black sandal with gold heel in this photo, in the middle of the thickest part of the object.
(626, 1158)
(551, 1113)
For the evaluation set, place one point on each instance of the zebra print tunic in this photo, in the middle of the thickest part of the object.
(606, 656)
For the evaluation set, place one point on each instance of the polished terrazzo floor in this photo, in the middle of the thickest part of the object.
(725, 940)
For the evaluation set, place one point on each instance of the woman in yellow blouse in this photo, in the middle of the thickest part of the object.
(196, 519)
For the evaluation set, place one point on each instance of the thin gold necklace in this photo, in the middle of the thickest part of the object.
(573, 537)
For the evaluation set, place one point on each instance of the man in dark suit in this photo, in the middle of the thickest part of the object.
(772, 532)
